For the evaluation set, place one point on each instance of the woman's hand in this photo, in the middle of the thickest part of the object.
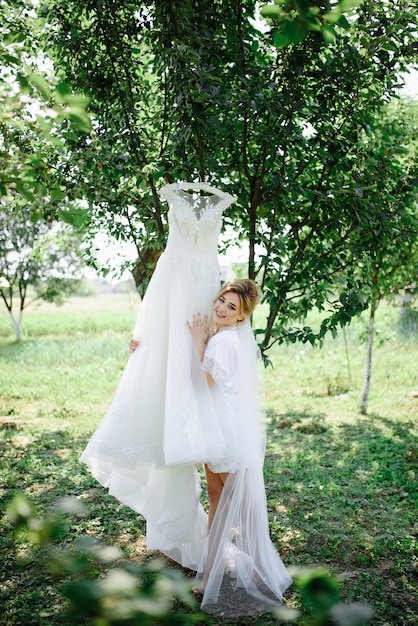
(133, 344)
(199, 331)
(199, 328)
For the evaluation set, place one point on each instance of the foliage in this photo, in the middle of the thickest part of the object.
(37, 112)
(185, 92)
(37, 255)
(295, 19)
(321, 599)
(145, 594)
(126, 594)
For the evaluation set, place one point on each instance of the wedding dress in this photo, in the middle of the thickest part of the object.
(165, 421)
(161, 423)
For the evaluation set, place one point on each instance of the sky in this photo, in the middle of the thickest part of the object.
(411, 84)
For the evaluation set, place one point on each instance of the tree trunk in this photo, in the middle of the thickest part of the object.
(347, 356)
(368, 370)
(17, 324)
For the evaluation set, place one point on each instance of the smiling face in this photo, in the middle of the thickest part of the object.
(227, 310)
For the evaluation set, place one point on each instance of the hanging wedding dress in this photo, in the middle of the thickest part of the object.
(164, 422)
(161, 423)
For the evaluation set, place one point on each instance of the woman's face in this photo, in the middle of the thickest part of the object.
(227, 310)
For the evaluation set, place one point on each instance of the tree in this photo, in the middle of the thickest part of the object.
(36, 112)
(388, 275)
(182, 91)
(37, 255)
(391, 266)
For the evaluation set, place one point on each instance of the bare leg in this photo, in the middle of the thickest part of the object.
(215, 484)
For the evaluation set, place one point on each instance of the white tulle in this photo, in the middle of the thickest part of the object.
(164, 422)
(240, 571)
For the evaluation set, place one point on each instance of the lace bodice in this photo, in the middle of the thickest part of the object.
(195, 220)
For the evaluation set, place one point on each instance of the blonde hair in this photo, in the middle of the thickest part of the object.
(248, 292)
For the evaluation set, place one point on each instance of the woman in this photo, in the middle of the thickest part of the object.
(240, 572)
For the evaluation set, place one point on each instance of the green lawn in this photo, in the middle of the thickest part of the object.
(341, 486)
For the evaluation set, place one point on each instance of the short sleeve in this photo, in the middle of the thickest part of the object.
(221, 357)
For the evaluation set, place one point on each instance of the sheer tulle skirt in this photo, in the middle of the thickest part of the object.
(241, 572)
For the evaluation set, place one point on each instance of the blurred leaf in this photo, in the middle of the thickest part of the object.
(328, 33)
(40, 83)
(70, 505)
(75, 216)
(351, 614)
(19, 511)
(24, 191)
(347, 5)
(271, 11)
(79, 118)
(295, 30)
(286, 614)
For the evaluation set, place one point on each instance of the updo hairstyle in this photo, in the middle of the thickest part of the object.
(248, 292)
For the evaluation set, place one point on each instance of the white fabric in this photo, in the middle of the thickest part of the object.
(240, 572)
(164, 421)
(161, 423)
(221, 360)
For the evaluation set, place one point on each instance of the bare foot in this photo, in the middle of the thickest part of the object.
(197, 591)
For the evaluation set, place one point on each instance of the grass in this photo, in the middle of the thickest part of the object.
(341, 486)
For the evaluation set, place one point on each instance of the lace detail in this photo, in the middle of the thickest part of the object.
(214, 369)
(194, 221)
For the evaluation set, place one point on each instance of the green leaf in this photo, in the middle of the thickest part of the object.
(343, 22)
(280, 39)
(75, 216)
(14, 38)
(19, 511)
(328, 33)
(70, 135)
(347, 5)
(25, 86)
(57, 194)
(271, 11)
(80, 119)
(40, 83)
(389, 46)
(313, 23)
(296, 30)
(24, 191)
(10, 59)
